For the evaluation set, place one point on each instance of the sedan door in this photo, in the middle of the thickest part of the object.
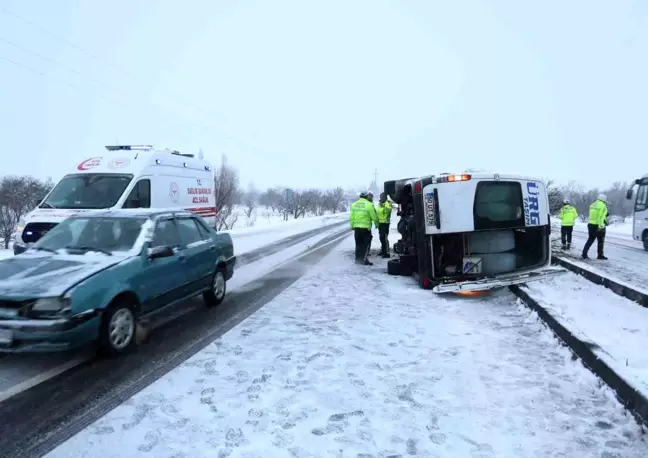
(201, 254)
(164, 278)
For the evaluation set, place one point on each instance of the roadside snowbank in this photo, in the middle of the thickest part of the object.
(618, 326)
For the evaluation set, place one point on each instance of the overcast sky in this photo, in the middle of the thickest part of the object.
(320, 93)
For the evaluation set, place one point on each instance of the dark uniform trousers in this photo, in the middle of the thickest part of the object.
(362, 243)
(595, 234)
(383, 232)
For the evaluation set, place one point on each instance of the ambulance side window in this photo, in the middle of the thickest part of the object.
(140, 196)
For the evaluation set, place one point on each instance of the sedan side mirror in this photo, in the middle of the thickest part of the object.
(160, 252)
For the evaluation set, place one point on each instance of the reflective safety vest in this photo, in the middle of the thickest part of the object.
(568, 215)
(384, 212)
(363, 213)
(598, 213)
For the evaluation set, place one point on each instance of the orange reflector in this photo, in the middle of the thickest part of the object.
(473, 293)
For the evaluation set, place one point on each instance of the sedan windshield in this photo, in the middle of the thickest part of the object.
(88, 191)
(79, 235)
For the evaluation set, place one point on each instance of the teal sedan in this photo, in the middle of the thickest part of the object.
(95, 276)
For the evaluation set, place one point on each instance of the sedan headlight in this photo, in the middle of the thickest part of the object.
(50, 304)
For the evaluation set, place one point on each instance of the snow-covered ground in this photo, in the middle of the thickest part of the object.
(618, 326)
(350, 362)
(625, 263)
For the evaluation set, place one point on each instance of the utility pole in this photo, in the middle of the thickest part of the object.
(376, 176)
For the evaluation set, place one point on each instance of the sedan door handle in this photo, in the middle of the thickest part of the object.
(213, 247)
(182, 258)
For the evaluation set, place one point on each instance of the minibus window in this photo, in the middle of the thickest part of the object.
(498, 205)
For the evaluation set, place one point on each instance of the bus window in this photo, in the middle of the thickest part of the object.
(498, 205)
(642, 198)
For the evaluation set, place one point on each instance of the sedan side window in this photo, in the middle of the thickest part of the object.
(188, 231)
(166, 234)
(204, 232)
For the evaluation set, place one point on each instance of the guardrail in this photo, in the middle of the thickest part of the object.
(635, 401)
(616, 286)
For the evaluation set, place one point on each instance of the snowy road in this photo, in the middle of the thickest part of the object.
(349, 362)
(81, 386)
(627, 260)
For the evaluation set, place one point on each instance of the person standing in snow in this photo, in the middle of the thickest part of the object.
(568, 215)
(598, 213)
(362, 215)
(384, 212)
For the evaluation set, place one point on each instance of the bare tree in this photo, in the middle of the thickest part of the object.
(298, 202)
(555, 196)
(271, 198)
(226, 190)
(250, 200)
(333, 199)
(18, 196)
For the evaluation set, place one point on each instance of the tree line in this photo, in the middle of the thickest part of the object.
(233, 201)
(18, 196)
(581, 198)
(21, 194)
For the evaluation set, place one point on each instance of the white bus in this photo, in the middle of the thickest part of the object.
(470, 232)
(640, 213)
(126, 177)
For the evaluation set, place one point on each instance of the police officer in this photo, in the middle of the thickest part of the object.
(384, 212)
(568, 215)
(363, 214)
(598, 213)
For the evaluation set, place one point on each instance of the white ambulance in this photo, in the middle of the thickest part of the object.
(124, 177)
(471, 232)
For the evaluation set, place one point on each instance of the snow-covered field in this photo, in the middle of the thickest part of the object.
(350, 362)
(623, 229)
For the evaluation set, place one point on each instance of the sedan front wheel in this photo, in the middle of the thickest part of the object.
(117, 333)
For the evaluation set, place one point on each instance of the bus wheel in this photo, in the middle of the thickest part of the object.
(644, 238)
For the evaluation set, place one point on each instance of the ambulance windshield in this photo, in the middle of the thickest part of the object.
(87, 191)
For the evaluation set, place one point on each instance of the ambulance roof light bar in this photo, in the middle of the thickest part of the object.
(128, 147)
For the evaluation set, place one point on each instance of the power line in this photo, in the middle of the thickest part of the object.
(94, 56)
(201, 128)
(65, 83)
(246, 145)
